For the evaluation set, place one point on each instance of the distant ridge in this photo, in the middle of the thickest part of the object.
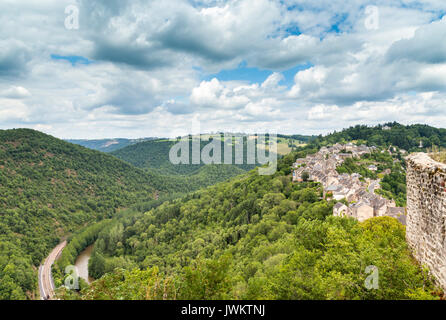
(108, 145)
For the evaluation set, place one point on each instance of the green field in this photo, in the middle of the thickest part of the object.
(286, 146)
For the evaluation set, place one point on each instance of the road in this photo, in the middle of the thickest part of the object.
(46, 284)
(374, 185)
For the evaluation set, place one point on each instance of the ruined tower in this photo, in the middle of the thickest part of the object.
(426, 213)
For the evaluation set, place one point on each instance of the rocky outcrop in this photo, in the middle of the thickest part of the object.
(426, 213)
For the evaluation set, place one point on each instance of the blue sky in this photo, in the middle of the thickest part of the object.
(74, 60)
(137, 69)
(255, 75)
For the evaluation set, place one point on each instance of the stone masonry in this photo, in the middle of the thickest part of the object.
(426, 213)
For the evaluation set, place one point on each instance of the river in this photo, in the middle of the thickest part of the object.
(82, 264)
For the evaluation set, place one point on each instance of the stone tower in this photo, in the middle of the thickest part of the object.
(426, 213)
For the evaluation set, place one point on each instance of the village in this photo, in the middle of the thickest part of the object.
(355, 195)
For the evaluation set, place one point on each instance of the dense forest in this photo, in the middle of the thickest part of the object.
(155, 155)
(107, 145)
(254, 237)
(404, 137)
(49, 188)
(298, 137)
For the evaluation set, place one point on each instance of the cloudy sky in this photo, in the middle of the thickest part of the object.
(117, 68)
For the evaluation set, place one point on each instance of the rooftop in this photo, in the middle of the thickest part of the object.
(339, 205)
(396, 210)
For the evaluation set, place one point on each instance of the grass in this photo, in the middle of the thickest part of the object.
(283, 147)
(437, 153)
(440, 156)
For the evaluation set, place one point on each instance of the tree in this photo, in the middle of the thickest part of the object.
(96, 265)
(305, 176)
(207, 279)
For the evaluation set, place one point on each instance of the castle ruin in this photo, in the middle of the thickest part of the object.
(426, 213)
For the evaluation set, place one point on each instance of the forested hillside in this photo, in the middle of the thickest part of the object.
(48, 188)
(404, 137)
(155, 155)
(108, 145)
(254, 237)
(298, 137)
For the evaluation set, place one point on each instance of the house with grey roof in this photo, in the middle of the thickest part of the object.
(322, 168)
(361, 211)
(398, 213)
(340, 210)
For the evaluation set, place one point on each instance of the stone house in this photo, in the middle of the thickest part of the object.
(361, 211)
(352, 195)
(345, 155)
(297, 176)
(324, 150)
(332, 180)
(322, 168)
(349, 146)
(340, 210)
(397, 213)
(335, 190)
(379, 206)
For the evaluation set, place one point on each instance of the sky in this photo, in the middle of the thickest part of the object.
(119, 68)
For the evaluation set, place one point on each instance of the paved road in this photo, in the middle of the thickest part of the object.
(46, 284)
(374, 185)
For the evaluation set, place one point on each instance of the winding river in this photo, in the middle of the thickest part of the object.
(82, 264)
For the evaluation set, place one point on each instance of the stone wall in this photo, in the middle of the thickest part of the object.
(426, 213)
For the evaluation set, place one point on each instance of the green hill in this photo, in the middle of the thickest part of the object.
(107, 145)
(254, 237)
(405, 137)
(48, 188)
(155, 155)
